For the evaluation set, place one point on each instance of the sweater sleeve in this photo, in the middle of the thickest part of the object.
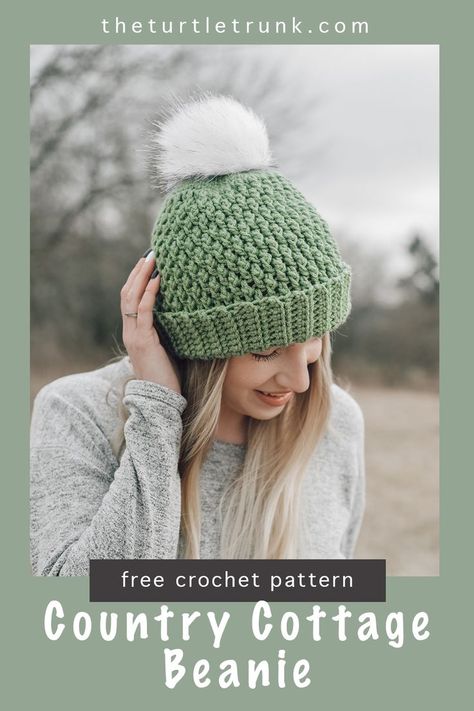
(84, 503)
(358, 496)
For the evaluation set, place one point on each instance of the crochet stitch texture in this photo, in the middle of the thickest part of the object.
(246, 264)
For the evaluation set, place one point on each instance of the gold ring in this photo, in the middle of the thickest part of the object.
(133, 315)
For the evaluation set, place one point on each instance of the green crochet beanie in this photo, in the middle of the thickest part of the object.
(246, 262)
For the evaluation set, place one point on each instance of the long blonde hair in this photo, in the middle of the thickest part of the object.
(260, 510)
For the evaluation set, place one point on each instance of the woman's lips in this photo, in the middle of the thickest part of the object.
(273, 400)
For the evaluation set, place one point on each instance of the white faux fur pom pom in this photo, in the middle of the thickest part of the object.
(212, 135)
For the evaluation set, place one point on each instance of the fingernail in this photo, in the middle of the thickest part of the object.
(147, 252)
(154, 274)
(150, 256)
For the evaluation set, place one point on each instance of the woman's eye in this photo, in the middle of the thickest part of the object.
(259, 356)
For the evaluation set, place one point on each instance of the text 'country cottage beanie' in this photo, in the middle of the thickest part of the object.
(246, 262)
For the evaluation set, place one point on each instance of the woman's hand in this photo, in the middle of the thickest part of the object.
(149, 359)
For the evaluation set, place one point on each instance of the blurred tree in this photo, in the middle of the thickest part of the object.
(422, 282)
(392, 343)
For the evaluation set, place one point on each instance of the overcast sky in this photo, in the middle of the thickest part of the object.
(379, 122)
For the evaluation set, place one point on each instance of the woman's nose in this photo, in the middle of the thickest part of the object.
(295, 375)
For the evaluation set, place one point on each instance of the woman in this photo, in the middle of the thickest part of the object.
(220, 434)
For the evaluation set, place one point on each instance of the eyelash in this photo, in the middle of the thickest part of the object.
(257, 356)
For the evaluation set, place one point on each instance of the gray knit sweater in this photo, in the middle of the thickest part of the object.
(87, 504)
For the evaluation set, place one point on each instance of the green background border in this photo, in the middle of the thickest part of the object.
(118, 674)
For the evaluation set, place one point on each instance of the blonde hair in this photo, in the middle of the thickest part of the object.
(260, 510)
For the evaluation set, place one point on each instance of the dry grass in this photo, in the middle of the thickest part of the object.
(402, 466)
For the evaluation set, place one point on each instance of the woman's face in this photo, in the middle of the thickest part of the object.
(281, 371)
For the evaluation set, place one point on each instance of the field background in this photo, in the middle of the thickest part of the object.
(401, 520)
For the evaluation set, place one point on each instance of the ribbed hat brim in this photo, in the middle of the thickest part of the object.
(236, 329)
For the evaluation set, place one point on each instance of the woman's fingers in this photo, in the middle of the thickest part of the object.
(125, 291)
(139, 282)
(148, 357)
(132, 292)
(133, 273)
(147, 302)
